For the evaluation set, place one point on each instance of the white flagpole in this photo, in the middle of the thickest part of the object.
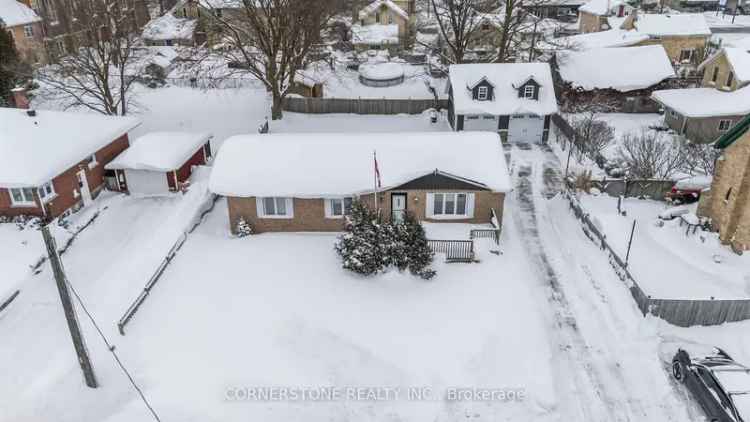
(375, 174)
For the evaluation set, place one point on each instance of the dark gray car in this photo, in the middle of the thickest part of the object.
(718, 383)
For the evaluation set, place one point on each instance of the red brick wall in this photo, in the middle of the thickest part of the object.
(67, 182)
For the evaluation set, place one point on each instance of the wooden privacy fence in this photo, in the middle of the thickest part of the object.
(360, 105)
(133, 308)
(653, 189)
(454, 250)
(680, 312)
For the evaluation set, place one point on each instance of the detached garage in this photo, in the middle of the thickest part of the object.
(159, 162)
(515, 100)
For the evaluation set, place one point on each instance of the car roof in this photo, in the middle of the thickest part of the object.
(735, 379)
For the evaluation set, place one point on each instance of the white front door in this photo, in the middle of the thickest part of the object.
(83, 188)
(526, 128)
(398, 206)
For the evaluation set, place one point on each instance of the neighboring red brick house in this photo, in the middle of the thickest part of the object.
(158, 162)
(52, 162)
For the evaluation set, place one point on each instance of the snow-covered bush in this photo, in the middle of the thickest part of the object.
(243, 228)
(369, 246)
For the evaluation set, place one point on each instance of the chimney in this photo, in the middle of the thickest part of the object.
(20, 98)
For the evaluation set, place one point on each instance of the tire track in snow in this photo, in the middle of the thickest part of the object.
(601, 369)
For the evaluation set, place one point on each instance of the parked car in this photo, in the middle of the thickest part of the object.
(717, 382)
(688, 190)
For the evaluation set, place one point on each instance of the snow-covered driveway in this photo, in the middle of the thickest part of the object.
(608, 366)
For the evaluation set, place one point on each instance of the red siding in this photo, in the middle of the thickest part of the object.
(67, 182)
(183, 173)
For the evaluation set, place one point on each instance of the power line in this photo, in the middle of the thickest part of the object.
(111, 349)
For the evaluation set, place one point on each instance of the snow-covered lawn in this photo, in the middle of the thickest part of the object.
(276, 310)
(665, 262)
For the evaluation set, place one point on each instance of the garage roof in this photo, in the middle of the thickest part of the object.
(160, 151)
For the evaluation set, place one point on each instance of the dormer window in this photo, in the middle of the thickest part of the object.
(482, 93)
(528, 91)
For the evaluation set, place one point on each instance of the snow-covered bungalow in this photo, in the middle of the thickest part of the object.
(52, 162)
(170, 30)
(439, 177)
(515, 100)
(684, 36)
(620, 79)
(158, 162)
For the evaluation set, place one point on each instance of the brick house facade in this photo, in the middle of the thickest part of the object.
(67, 186)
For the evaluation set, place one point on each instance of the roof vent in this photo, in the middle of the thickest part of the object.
(31, 113)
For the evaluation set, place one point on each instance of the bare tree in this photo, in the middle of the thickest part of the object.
(592, 135)
(651, 155)
(271, 38)
(99, 73)
(458, 21)
(699, 158)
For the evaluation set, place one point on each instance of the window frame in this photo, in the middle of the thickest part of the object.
(529, 95)
(715, 75)
(690, 54)
(730, 79)
(47, 192)
(454, 200)
(728, 125)
(288, 207)
(345, 208)
(92, 161)
(28, 31)
(24, 202)
(483, 93)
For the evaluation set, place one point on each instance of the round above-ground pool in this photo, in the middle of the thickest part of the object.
(381, 74)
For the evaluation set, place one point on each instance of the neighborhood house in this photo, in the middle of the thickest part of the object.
(50, 164)
(383, 22)
(703, 114)
(446, 177)
(159, 162)
(683, 36)
(593, 16)
(515, 100)
(729, 198)
(25, 29)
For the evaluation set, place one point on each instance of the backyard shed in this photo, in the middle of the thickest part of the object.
(158, 162)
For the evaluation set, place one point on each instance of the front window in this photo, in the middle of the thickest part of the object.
(92, 161)
(482, 93)
(275, 207)
(28, 31)
(47, 192)
(449, 204)
(715, 75)
(724, 125)
(686, 55)
(338, 207)
(22, 197)
(528, 91)
(730, 79)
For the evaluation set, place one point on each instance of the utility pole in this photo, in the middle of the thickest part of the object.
(70, 312)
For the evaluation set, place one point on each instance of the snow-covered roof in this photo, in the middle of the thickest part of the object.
(14, 13)
(738, 58)
(305, 165)
(220, 4)
(742, 43)
(603, 7)
(601, 39)
(505, 77)
(377, 4)
(705, 102)
(159, 151)
(672, 25)
(169, 27)
(375, 34)
(623, 69)
(33, 150)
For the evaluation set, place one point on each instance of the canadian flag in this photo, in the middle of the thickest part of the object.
(378, 183)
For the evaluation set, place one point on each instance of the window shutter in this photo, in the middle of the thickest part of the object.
(536, 92)
(259, 206)
(290, 207)
(470, 205)
(327, 207)
(429, 211)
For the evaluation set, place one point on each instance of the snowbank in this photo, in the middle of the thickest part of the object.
(694, 183)
(33, 150)
(160, 151)
(622, 69)
(321, 165)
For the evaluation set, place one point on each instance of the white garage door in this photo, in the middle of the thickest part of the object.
(481, 122)
(146, 182)
(526, 128)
